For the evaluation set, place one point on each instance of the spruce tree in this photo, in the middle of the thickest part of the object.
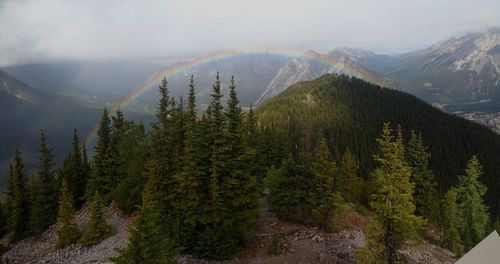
(188, 179)
(393, 200)
(425, 190)
(112, 159)
(44, 205)
(451, 223)
(17, 199)
(100, 180)
(290, 184)
(323, 200)
(210, 238)
(75, 171)
(159, 167)
(98, 229)
(147, 242)
(471, 208)
(238, 188)
(349, 184)
(133, 154)
(67, 232)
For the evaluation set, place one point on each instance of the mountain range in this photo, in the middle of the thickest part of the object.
(457, 75)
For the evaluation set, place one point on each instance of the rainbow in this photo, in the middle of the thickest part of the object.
(186, 65)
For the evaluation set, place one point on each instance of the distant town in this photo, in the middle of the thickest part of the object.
(491, 120)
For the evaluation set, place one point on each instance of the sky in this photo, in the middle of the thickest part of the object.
(44, 30)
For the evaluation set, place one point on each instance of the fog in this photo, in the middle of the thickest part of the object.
(44, 30)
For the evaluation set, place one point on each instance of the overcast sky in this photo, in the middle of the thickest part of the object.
(39, 30)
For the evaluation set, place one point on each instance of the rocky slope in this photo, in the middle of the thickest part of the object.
(299, 243)
(41, 249)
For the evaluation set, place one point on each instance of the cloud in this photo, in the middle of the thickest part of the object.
(38, 30)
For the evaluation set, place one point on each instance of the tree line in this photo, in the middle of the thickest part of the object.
(193, 181)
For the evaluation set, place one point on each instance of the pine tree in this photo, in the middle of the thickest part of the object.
(132, 156)
(209, 240)
(425, 192)
(75, 171)
(238, 188)
(323, 196)
(44, 206)
(392, 200)
(349, 184)
(147, 242)
(67, 232)
(471, 207)
(160, 167)
(81, 170)
(17, 199)
(451, 223)
(98, 229)
(188, 179)
(290, 184)
(112, 159)
(86, 166)
(100, 180)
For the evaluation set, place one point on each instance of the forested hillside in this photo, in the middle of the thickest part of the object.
(195, 184)
(350, 112)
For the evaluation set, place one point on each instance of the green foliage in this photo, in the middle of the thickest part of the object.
(17, 202)
(147, 242)
(425, 192)
(67, 232)
(349, 112)
(375, 251)
(471, 208)
(132, 154)
(98, 229)
(100, 180)
(188, 179)
(277, 246)
(349, 184)
(3, 222)
(393, 201)
(322, 195)
(44, 204)
(289, 188)
(452, 223)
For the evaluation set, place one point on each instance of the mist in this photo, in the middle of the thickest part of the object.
(44, 30)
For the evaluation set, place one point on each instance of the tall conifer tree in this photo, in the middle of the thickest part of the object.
(471, 208)
(451, 223)
(44, 206)
(98, 229)
(392, 200)
(147, 242)
(188, 179)
(67, 232)
(425, 191)
(100, 181)
(323, 200)
(349, 183)
(17, 199)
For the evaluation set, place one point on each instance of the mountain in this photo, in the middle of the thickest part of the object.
(310, 66)
(26, 110)
(103, 83)
(350, 112)
(459, 74)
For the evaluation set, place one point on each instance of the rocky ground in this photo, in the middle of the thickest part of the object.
(298, 243)
(41, 249)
